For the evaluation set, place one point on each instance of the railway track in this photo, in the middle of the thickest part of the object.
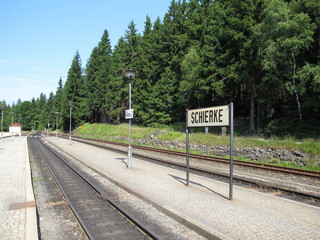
(299, 185)
(100, 217)
(269, 167)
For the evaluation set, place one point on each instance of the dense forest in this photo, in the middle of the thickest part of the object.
(262, 55)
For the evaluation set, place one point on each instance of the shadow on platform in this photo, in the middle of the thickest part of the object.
(184, 181)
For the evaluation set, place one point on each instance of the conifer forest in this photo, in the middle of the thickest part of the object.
(262, 55)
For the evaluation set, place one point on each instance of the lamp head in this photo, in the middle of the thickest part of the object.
(130, 74)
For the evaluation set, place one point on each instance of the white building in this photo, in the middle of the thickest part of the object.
(15, 129)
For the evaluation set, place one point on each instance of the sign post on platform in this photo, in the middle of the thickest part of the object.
(129, 74)
(211, 117)
(231, 153)
(187, 151)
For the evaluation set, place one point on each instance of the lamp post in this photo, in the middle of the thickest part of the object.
(48, 126)
(70, 104)
(57, 113)
(129, 74)
(12, 122)
(1, 107)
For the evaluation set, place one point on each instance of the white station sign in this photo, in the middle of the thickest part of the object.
(129, 113)
(208, 117)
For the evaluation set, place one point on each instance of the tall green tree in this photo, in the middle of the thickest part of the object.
(285, 36)
(233, 64)
(92, 69)
(74, 91)
(57, 105)
(148, 63)
(24, 114)
(309, 75)
(191, 85)
(125, 57)
(170, 50)
(98, 77)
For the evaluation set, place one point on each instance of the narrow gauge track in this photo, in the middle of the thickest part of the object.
(293, 189)
(269, 167)
(99, 217)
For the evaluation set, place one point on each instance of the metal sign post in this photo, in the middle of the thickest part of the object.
(187, 153)
(231, 153)
(129, 74)
(211, 117)
(129, 115)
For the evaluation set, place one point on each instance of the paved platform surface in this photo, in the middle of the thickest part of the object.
(5, 134)
(204, 203)
(18, 218)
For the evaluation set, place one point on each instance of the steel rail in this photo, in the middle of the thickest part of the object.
(263, 166)
(289, 190)
(75, 212)
(130, 218)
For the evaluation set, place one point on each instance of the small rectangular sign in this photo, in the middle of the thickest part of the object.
(208, 117)
(129, 113)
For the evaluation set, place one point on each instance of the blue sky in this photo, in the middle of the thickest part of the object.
(38, 38)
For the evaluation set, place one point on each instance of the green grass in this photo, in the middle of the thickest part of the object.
(311, 146)
(172, 136)
(109, 130)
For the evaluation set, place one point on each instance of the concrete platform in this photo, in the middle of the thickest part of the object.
(18, 219)
(204, 204)
(5, 134)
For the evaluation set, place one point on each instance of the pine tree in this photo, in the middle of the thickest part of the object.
(58, 103)
(148, 65)
(92, 69)
(41, 106)
(74, 91)
(232, 67)
(98, 77)
(125, 57)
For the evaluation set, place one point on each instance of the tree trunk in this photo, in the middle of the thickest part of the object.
(295, 89)
(252, 98)
(299, 104)
(258, 119)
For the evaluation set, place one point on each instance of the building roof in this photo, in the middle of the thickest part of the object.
(15, 125)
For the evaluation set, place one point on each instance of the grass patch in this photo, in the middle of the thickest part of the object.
(173, 136)
(209, 139)
(311, 146)
(37, 179)
(170, 133)
(110, 130)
